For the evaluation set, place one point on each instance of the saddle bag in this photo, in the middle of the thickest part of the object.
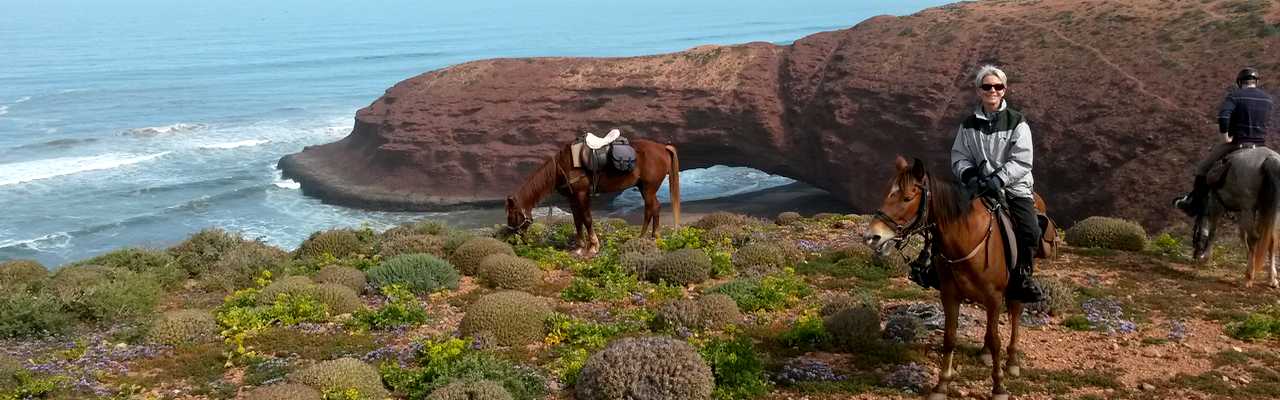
(622, 157)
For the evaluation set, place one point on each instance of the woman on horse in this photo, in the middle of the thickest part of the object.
(992, 156)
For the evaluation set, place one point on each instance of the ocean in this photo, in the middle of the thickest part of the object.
(139, 122)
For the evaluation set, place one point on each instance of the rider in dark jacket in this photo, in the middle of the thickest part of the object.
(1242, 120)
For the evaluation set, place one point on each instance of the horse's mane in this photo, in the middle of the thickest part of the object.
(539, 183)
(951, 204)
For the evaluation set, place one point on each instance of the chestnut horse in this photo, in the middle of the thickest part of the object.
(970, 260)
(654, 162)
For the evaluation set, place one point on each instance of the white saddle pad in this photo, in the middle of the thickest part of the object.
(595, 142)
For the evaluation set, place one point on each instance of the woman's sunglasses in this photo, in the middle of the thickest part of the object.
(987, 87)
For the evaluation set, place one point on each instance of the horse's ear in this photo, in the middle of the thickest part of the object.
(917, 169)
(901, 163)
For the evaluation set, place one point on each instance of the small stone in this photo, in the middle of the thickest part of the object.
(1244, 380)
(1237, 349)
(1147, 387)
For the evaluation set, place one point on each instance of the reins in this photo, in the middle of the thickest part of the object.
(922, 227)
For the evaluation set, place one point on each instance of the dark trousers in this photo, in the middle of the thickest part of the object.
(1025, 226)
(1216, 153)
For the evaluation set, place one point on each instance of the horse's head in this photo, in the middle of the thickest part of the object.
(902, 213)
(518, 219)
(1202, 232)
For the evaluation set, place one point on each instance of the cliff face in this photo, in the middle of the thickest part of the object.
(1120, 97)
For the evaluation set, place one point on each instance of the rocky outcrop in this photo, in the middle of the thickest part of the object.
(1120, 96)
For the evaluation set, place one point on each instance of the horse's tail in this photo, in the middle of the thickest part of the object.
(1269, 202)
(675, 183)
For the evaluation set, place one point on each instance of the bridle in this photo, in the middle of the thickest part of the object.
(917, 226)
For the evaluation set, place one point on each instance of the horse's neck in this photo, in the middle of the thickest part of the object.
(975, 221)
(539, 184)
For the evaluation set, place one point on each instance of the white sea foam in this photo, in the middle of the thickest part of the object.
(235, 144)
(152, 131)
(48, 242)
(23, 99)
(4, 110)
(26, 171)
(287, 184)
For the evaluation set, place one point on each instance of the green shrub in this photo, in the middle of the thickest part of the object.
(835, 303)
(682, 267)
(345, 276)
(340, 299)
(425, 227)
(420, 273)
(241, 265)
(718, 219)
(439, 363)
(681, 313)
(855, 329)
(905, 329)
(24, 314)
(340, 375)
(402, 309)
(686, 237)
(101, 294)
(9, 369)
(471, 390)
(732, 234)
(284, 391)
(413, 244)
(608, 286)
(1059, 296)
(638, 264)
(1077, 323)
(339, 243)
(1108, 233)
(505, 271)
(807, 333)
(642, 245)
(719, 310)
(291, 285)
(738, 371)
(467, 257)
(645, 368)
(455, 239)
(1258, 325)
(21, 274)
(201, 251)
(514, 318)
(771, 292)
(185, 327)
(787, 218)
(159, 264)
(760, 257)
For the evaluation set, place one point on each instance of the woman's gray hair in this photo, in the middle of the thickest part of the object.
(989, 70)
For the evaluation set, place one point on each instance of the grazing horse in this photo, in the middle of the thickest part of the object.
(654, 162)
(970, 260)
(1249, 188)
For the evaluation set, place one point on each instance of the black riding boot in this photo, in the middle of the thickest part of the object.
(1193, 203)
(1021, 286)
(922, 271)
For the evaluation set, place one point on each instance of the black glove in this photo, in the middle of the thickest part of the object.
(968, 176)
(992, 185)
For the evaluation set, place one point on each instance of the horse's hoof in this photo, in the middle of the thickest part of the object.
(986, 359)
(937, 396)
(1015, 371)
(1001, 396)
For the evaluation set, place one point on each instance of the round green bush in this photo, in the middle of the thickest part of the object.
(185, 327)
(339, 243)
(734, 234)
(760, 258)
(455, 239)
(345, 276)
(718, 219)
(907, 329)
(159, 264)
(339, 298)
(25, 314)
(241, 265)
(101, 294)
(638, 264)
(837, 302)
(503, 271)
(645, 368)
(1107, 233)
(199, 252)
(642, 245)
(514, 318)
(284, 391)
(420, 273)
(854, 328)
(21, 274)
(1059, 296)
(787, 218)
(342, 374)
(682, 267)
(425, 227)
(295, 285)
(471, 390)
(678, 313)
(412, 244)
(468, 256)
(719, 310)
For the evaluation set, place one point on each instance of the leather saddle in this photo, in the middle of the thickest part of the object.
(594, 153)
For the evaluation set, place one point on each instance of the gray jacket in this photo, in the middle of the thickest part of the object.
(1003, 141)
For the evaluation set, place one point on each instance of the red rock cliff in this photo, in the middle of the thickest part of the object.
(1120, 97)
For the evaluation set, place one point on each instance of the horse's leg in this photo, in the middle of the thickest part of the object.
(590, 241)
(1014, 362)
(651, 209)
(1274, 283)
(992, 343)
(575, 205)
(1257, 253)
(951, 310)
